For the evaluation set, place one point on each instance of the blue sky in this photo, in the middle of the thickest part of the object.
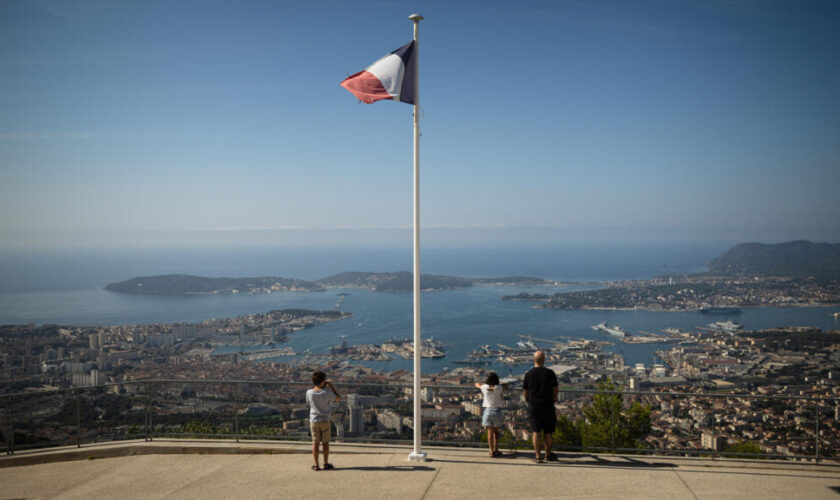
(143, 121)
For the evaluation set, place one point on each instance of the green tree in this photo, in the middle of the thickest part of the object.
(197, 427)
(606, 423)
(749, 448)
(261, 430)
(567, 433)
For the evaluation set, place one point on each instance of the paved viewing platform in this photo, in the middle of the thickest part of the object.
(271, 469)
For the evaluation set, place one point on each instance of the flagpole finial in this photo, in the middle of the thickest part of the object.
(415, 17)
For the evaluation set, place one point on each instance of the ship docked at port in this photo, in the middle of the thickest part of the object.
(727, 326)
(614, 330)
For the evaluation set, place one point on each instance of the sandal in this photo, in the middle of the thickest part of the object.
(497, 453)
(315, 467)
(329, 466)
(537, 460)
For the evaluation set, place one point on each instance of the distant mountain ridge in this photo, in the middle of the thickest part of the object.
(794, 258)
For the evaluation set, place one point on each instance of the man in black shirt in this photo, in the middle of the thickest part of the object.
(540, 388)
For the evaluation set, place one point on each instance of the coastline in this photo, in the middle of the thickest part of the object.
(698, 309)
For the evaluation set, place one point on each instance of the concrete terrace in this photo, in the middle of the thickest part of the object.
(226, 469)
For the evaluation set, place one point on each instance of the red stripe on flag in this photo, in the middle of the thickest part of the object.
(366, 87)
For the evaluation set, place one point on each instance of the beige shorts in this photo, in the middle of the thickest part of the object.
(320, 432)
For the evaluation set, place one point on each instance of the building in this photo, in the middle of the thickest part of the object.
(339, 430)
(472, 407)
(710, 441)
(162, 340)
(79, 379)
(390, 420)
(354, 405)
(448, 413)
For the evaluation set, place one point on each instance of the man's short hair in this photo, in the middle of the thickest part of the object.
(539, 358)
(318, 377)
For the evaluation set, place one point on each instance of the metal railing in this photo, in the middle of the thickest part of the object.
(148, 409)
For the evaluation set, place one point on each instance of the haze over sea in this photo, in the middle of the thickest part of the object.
(66, 287)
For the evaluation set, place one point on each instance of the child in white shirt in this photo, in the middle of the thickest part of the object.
(493, 403)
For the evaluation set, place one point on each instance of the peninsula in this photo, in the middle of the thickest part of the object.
(185, 284)
(403, 281)
(797, 273)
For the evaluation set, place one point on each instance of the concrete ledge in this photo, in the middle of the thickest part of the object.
(169, 446)
(127, 450)
(171, 468)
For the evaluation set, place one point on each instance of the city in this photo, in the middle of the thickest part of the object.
(785, 383)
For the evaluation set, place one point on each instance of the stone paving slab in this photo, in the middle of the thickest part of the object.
(377, 471)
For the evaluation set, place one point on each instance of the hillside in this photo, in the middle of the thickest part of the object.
(402, 281)
(794, 258)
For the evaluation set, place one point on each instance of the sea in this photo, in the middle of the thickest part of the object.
(66, 287)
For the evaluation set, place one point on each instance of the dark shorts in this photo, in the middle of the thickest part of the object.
(542, 418)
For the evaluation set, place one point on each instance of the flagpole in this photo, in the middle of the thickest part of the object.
(417, 455)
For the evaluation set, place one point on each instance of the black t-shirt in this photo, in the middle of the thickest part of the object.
(540, 383)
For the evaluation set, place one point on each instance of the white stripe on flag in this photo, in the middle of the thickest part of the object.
(389, 70)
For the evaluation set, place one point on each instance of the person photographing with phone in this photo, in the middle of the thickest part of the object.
(319, 416)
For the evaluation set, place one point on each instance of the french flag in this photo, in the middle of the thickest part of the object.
(391, 77)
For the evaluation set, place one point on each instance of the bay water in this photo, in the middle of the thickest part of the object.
(67, 287)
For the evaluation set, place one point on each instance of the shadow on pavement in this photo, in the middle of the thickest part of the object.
(618, 461)
(392, 468)
(563, 459)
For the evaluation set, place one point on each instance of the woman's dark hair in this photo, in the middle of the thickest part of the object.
(492, 379)
(318, 377)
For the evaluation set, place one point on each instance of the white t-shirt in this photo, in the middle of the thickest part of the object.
(492, 396)
(319, 405)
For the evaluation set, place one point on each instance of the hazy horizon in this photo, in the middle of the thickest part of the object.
(219, 123)
(399, 237)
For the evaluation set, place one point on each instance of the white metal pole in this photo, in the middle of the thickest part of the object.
(417, 455)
